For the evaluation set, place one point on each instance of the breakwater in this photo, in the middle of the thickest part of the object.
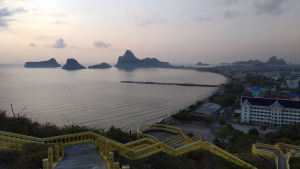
(178, 84)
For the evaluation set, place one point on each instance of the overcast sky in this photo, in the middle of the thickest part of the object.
(185, 31)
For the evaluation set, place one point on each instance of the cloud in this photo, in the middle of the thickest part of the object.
(231, 14)
(5, 12)
(101, 44)
(273, 7)
(53, 15)
(32, 45)
(206, 18)
(59, 23)
(143, 20)
(59, 44)
(75, 47)
(229, 2)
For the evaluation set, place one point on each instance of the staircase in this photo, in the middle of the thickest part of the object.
(175, 142)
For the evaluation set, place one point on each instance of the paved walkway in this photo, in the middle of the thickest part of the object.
(82, 156)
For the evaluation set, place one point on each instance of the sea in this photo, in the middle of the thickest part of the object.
(97, 98)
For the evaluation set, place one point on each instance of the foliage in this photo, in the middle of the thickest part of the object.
(222, 121)
(190, 135)
(32, 157)
(228, 133)
(253, 131)
(263, 128)
(226, 100)
(295, 162)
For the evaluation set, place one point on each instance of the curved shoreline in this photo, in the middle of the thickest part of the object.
(168, 118)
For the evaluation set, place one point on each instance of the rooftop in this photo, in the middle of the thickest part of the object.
(292, 104)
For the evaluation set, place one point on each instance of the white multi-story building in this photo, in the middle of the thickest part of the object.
(293, 83)
(269, 112)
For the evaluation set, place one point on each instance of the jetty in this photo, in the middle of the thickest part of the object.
(178, 84)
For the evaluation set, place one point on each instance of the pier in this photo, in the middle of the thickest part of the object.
(178, 84)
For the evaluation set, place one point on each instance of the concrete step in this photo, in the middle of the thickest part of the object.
(172, 140)
(82, 156)
(176, 142)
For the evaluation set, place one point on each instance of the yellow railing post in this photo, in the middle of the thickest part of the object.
(111, 160)
(116, 165)
(61, 149)
(56, 151)
(45, 164)
(50, 158)
(125, 167)
(103, 147)
(107, 148)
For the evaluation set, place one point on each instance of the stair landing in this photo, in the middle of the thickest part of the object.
(82, 156)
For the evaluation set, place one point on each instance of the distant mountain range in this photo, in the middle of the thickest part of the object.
(250, 62)
(272, 61)
(202, 64)
(128, 60)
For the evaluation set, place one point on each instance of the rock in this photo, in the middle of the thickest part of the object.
(129, 61)
(43, 64)
(72, 64)
(100, 66)
(202, 64)
(274, 61)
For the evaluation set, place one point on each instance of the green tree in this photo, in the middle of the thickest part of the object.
(253, 131)
(263, 128)
(190, 135)
(208, 120)
(222, 121)
(224, 133)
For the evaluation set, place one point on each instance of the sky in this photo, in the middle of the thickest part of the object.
(185, 31)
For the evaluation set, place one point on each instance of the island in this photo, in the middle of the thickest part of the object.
(43, 64)
(72, 64)
(202, 64)
(100, 66)
(129, 61)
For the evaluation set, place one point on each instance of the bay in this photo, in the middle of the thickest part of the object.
(97, 98)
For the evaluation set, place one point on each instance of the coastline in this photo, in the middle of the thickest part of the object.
(168, 120)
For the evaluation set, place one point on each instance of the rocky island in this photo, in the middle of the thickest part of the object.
(72, 64)
(100, 66)
(129, 61)
(202, 64)
(43, 64)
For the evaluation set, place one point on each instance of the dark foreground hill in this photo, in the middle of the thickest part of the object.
(72, 64)
(128, 60)
(43, 64)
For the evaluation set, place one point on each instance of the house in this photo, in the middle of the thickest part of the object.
(270, 112)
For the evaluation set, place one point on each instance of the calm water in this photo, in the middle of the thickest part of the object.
(97, 98)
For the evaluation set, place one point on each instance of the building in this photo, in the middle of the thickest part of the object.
(270, 112)
(255, 91)
(293, 83)
(206, 111)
